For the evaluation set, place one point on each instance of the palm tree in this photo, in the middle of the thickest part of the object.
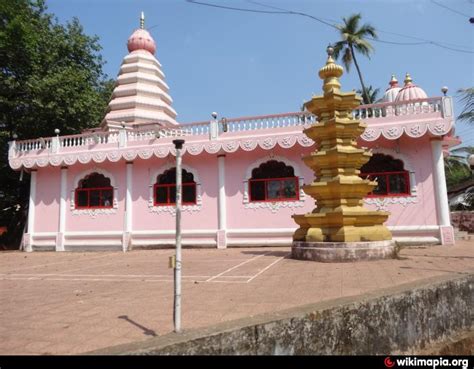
(467, 98)
(372, 94)
(354, 38)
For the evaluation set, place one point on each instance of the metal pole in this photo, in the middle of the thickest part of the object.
(177, 269)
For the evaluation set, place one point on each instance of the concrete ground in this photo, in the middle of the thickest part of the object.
(68, 303)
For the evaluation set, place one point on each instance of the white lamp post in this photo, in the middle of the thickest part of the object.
(178, 144)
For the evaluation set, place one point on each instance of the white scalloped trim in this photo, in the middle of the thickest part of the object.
(94, 212)
(414, 130)
(381, 203)
(274, 206)
(172, 209)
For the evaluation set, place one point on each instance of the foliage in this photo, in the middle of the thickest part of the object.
(50, 77)
(354, 38)
(372, 94)
(457, 171)
(467, 98)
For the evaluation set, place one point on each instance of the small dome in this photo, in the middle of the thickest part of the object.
(391, 93)
(410, 91)
(141, 40)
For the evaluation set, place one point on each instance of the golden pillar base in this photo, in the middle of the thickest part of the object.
(342, 227)
(340, 252)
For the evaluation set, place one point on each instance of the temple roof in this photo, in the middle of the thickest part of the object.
(410, 91)
(141, 94)
(392, 91)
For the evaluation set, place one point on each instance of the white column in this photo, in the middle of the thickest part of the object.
(128, 208)
(222, 212)
(128, 204)
(31, 212)
(31, 205)
(439, 178)
(62, 211)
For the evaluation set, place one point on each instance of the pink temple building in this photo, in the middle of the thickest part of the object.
(114, 187)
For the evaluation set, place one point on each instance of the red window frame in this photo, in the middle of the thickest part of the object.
(168, 196)
(281, 180)
(376, 175)
(89, 190)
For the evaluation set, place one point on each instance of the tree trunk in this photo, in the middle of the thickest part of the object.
(364, 91)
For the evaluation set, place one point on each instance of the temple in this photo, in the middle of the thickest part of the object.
(113, 187)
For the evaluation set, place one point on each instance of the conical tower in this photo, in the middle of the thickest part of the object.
(340, 218)
(140, 96)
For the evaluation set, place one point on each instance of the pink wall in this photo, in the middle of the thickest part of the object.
(47, 200)
(143, 219)
(102, 222)
(416, 151)
(240, 217)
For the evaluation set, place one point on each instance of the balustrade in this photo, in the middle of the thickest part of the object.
(264, 122)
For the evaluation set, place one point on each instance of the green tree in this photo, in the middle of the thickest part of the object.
(354, 39)
(467, 98)
(457, 167)
(372, 94)
(50, 77)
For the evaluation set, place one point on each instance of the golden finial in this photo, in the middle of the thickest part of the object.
(142, 20)
(408, 79)
(331, 72)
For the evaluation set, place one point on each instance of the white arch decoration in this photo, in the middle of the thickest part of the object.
(273, 206)
(381, 203)
(94, 212)
(171, 208)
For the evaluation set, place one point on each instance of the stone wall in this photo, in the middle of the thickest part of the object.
(464, 220)
(401, 319)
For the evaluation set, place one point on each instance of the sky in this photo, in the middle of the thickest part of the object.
(241, 63)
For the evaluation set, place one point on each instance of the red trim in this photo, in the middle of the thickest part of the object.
(387, 183)
(168, 194)
(88, 191)
(281, 198)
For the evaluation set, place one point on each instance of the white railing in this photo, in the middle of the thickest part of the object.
(387, 110)
(253, 123)
(232, 125)
(150, 134)
(95, 138)
(34, 145)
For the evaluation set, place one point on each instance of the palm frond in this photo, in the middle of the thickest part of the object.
(338, 47)
(366, 30)
(467, 98)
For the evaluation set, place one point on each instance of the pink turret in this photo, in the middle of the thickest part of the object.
(141, 39)
(140, 96)
(391, 92)
(410, 91)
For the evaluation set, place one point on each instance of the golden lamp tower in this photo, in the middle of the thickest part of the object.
(340, 228)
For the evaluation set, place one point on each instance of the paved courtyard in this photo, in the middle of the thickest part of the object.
(68, 303)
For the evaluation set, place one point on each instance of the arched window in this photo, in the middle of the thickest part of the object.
(165, 188)
(94, 191)
(273, 181)
(392, 179)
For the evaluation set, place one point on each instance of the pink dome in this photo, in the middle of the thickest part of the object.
(141, 40)
(410, 91)
(391, 93)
